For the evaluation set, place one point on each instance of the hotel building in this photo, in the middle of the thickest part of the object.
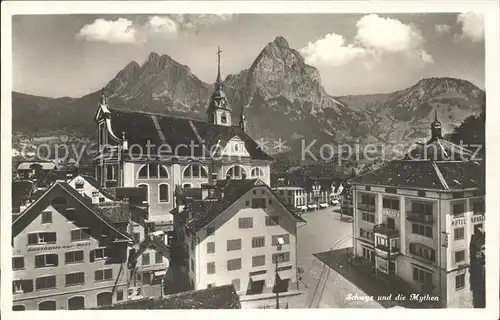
(415, 217)
(67, 255)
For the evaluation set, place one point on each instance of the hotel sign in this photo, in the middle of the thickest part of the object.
(391, 213)
(477, 218)
(65, 247)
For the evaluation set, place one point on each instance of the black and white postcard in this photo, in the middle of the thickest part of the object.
(250, 155)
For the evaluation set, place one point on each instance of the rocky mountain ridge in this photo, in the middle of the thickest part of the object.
(281, 95)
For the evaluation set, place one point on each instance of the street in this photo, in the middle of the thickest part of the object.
(323, 232)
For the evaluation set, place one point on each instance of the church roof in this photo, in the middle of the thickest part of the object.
(161, 129)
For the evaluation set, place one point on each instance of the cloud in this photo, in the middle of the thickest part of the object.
(442, 28)
(125, 31)
(386, 34)
(376, 38)
(472, 24)
(116, 32)
(163, 25)
(331, 51)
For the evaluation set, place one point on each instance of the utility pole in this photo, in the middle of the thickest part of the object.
(276, 284)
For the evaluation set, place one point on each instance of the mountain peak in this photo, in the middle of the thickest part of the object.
(153, 56)
(281, 42)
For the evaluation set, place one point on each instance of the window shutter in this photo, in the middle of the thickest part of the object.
(92, 256)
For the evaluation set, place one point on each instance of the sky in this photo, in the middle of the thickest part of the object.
(73, 55)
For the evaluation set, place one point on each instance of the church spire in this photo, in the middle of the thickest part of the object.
(243, 119)
(218, 81)
(436, 128)
(219, 111)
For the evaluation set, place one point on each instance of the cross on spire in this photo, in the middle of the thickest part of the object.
(218, 65)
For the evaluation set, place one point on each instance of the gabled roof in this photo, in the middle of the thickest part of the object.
(161, 129)
(94, 183)
(426, 175)
(223, 297)
(80, 203)
(207, 210)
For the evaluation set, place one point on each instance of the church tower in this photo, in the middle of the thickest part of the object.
(218, 110)
(436, 128)
(243, 120)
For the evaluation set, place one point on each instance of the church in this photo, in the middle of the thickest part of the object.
(162, 153)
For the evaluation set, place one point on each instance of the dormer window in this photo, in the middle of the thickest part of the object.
(223, 118)
(79, 184)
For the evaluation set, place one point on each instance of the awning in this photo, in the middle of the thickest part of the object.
(258, 277)
(160, 273)
(323, 205)
(304, 207)
(158, 233)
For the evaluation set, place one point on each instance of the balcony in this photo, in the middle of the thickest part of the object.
(366, 207)
(385, 251)
(384, 230)
(419, 217)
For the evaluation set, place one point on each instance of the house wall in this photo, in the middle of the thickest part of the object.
(227, 228)
(63, 244)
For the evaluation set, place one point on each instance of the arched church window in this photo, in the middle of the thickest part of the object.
(195, 171)
(257, 172)
(223, 118)
(152, 171)
(236, 172)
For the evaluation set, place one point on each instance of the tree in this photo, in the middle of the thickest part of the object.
(471, 131)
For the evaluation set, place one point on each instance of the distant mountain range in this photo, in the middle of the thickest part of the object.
(282, 96)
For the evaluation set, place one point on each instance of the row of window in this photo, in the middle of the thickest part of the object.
(368, 217)
(257, 261)
(257, 242)
(422, 230)
(76, 303)
(145, 259)
(49, 282)
(423, 251)
(366, 234)
(163, 192)
(192, 171)
(459, 208)
(81, 234)
(424, 277)
(247, 222)
(52, 259)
